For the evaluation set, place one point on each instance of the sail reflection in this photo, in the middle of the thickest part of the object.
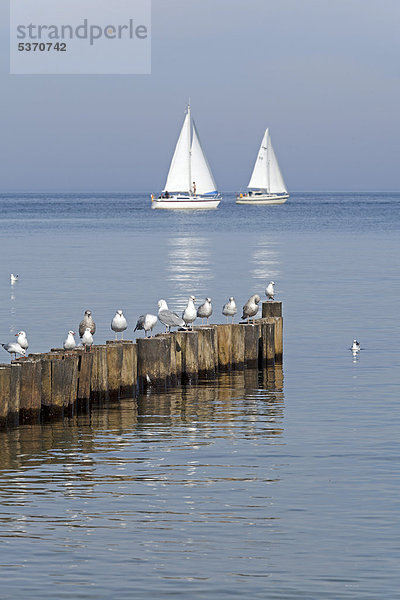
(266, 260)
(188, 267)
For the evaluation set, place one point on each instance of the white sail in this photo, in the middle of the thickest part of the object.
(179, 176)
(200, 169)
(266, 173)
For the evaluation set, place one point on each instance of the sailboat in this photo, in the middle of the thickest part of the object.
(190, 182)
(266, 185)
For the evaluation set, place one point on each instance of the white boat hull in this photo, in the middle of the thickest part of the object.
(262, 199)
(181, 202)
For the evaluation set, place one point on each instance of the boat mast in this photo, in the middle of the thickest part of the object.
(268, 142)
(190, 149)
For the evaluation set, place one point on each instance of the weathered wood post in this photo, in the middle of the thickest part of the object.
(207, 351)
(273, 310)
(5, 393)
(238, 347)
(153, 362)
(174, 376)
(30, 389)
(99, 377)
(268, 342)
(224, 345)
(252, 335)
(15, 384)
(114, 366)
(128, 369)
(187, 353)
(85, 361)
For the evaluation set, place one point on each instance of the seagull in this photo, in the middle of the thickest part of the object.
(229, 309)
(13, 278)
(22, 339)
(14, 348)
(250, 309)
(69, 342)
(146, 322)
(189, 314)
(119, 324)
(87, 338)
(167, 317)
(205, 310)
(356, 346)
(269, 290)
(87, 322)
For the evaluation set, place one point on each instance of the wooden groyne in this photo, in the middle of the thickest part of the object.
(53, 383)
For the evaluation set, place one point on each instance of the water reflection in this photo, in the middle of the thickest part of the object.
(128, 490)
(188, 267)
(266, 262)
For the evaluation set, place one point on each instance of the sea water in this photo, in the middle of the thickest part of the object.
(281, 485)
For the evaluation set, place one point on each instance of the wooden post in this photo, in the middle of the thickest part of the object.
(267, 353)
(30, 389)
(15, 383)
(272, 308)
(84, 373)
(207, 351)
(188, 346)
(238, 347)
(174, 373)
(278, 339)
(224, 344)
(252, 335)
(64, 382)
(153, 359)
(114, 366)
(99, 377)
(5, 389)
(128, 369)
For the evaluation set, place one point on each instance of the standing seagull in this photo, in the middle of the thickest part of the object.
(189, 314)
(205, 310)
(87, 338)
(250, 309)
(146, 322)
(167, 317)
(22, 340)
(229, 309)
(14, 348)
(69, 342)
(119, 324)
(269, 290)
(87, 322)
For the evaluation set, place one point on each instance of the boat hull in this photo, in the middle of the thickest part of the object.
(262, 199)
(186, 202)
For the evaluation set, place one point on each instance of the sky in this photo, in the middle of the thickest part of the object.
(323, 75)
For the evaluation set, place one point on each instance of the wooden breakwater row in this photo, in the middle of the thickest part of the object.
(52, 383)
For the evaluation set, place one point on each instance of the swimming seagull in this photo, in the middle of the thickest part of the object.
(356, 346)
(69, 342)
(146, 322)
(205, 310)
(119, 324)
(14, 348)
(269, 290)
(87, 322)
(229, 309)
(13, 278)
(189, 314)
(87, 338)
(167, 317)
(250, 309)
(22, 340)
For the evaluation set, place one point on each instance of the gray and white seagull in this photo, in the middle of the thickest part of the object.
(250, 309)
(167, 317)
(146, 322)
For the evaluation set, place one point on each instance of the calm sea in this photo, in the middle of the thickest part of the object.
(282, 485)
